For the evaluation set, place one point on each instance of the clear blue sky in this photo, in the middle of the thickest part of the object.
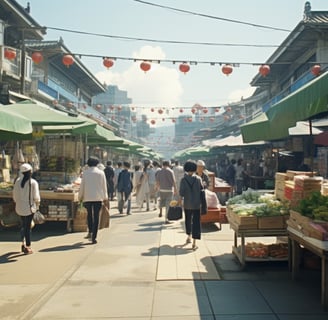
(164, 85)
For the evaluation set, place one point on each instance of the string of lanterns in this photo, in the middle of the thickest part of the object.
(145, 65)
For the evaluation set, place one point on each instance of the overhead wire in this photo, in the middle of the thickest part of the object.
(163, 41)
(212, 17)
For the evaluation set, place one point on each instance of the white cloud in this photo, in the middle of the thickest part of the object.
(160, 86)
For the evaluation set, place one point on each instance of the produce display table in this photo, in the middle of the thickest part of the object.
(240, 251)
(320, 248)
(60, 206)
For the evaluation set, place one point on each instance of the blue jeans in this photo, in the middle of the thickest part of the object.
(93, 208)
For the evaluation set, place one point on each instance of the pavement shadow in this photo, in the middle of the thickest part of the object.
(210, 227)
(151, 226)
(78, 245)
(10, 257)
(167, 250)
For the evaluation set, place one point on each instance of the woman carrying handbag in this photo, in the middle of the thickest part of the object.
(26, 196)
(190, 196)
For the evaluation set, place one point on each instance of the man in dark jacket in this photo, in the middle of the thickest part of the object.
(109, 173)
(124, 188)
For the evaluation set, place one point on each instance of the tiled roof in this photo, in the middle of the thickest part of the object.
(317, 17)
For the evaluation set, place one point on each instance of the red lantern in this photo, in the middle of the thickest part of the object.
(193, 110)
(205, 110)
(316, 69)
(173, 120)
(163, 119)
(10, 54)
(37, 57)
(227, 69)
(181, 110)
(184, 68)
(119, 108)
(189, 120)
(212, 119)
(68, 60)
(217, 109)
(108, 63)
(160, 111)
(264, 70)
(145, 66)
(152, 109)
(152, 122)
(98, 107)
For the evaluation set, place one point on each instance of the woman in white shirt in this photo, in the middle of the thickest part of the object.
(26, 196)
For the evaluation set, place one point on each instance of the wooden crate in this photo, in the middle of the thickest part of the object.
(274, 222)
(243, 222)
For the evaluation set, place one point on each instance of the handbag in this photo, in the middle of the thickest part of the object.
(174, 213)
(203, 202)
(104, 220)
(39, 218)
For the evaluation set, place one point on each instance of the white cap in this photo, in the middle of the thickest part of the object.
(25, 167)
(200, 163)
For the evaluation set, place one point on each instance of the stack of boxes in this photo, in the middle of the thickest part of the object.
(296, 185)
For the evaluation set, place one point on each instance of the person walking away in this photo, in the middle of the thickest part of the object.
(26, 196)
(144, 190)
(165, 183)
(189, 195)
(124, 188)
(178, 173)
(109, 173)
(93, 193)
(202, 173)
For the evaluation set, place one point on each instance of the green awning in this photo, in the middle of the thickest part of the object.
(13, 125)
(306, 103)
(40, 115)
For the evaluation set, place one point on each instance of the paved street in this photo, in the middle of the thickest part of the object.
(142, 269)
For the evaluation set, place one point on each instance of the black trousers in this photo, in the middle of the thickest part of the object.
(93, 208)
(26, 229)
(192, 223)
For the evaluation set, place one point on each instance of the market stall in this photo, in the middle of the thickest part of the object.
(253, 214)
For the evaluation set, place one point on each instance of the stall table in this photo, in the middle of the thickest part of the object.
(69, 198)
(240, 252)
(320, 248)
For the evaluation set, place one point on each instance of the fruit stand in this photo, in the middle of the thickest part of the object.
(254, 215)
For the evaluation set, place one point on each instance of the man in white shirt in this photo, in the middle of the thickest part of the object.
(93, 193)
